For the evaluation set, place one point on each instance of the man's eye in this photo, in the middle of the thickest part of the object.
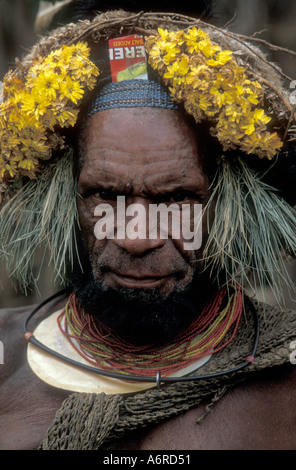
(175, 197)
(105, 195)
(180, 196)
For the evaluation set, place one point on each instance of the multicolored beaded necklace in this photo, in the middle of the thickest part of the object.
(208, 334)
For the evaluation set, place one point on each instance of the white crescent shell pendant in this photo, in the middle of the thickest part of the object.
(59, 374)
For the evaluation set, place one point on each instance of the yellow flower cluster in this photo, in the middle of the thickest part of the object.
(213, 87)
(34, 109)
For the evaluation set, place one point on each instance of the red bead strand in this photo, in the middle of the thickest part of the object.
(97, 344)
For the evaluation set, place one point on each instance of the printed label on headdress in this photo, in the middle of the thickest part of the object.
(128, 58)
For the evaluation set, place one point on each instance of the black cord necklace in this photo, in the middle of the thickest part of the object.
(136, 378)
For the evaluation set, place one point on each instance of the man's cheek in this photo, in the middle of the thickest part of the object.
(85, 211)
(87, 222)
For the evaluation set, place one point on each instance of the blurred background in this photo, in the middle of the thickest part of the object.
(272, 20)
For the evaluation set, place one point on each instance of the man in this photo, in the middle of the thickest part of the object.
(159, 325)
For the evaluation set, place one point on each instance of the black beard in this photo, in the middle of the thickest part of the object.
(142, 316)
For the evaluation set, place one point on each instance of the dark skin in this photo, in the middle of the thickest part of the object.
(260, 414)
(162, 164)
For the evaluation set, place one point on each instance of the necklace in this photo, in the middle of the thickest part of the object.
(158, 379)
(208, 334)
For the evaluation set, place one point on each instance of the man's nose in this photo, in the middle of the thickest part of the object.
(132, 234)
(139, 246)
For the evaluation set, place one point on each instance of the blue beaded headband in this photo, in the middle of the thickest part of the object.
(132, 94)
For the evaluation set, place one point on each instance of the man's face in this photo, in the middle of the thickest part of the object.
(148, 156)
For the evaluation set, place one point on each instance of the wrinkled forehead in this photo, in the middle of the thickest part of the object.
(140, 147)
(119, 103)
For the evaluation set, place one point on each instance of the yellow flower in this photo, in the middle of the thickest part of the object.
(84, 71)
(36, 145)
(212, 86)
(27, 164)
(166, 35)
(228, 133)
(254, 120)
(11, 85)
(165, 48)
(164, 53)
(35, 104)
(223, 91)
(177, 70)
(249, 128)
(260, 116)
(207, 48)
(81, 49)
(60, 56)
(33, 108)
(156, 57)
(66, 117)
(221, 97)
(172, 51)
(194, 34)
(200, 77)
(220, 59)
(71, 89)
(11, 168)
(203, 110)
(47, 84)
(199, 41)
(236, 111)
(264, 144)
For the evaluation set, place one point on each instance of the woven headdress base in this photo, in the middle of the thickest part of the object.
(132, 94)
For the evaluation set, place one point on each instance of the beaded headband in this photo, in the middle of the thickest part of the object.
(132, 94)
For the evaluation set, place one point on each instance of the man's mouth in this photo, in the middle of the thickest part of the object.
(144, 281)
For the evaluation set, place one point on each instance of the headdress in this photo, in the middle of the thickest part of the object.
(216, 76)
(132, 94)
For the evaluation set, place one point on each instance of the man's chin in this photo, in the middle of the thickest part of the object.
(142, 315)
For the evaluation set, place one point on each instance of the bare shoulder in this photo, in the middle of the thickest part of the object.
(259, 414)
(27, 405)
(10, 317)
(12, 339)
